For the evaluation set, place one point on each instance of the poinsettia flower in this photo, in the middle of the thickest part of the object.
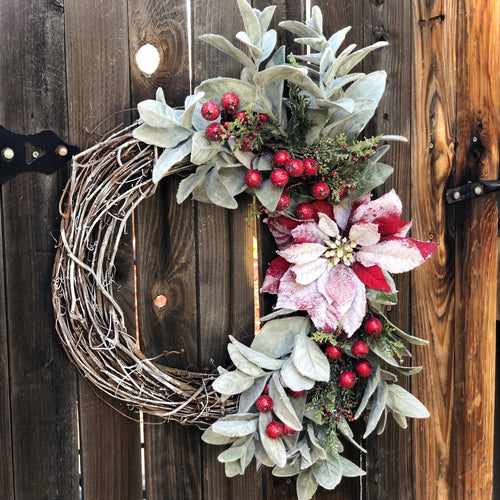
(324, 265)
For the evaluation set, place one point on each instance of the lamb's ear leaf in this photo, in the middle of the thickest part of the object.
(274, 448)
(306, 485)
(169, 158)
(190, 183)
(372, 175)
(232, 382)
(402, 401)
(224, 45)
(378, 407)
(251, 21)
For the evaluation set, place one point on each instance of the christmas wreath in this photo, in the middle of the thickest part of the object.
(287, 132)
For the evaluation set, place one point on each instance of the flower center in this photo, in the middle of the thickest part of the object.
(340, 250)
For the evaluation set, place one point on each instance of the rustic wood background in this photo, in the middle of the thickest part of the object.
(66, 66)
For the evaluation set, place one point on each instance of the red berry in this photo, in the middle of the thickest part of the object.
(247, 143)
(283, 202)
(342, 192)
(294, 167)
(320, 190)
(281, 157)
(241, 115)
(288, 431)
(214, 132)
(253, 179)
(373, 326)
(264, 404)
(263, 118)
(310, 166)
(210, 111)
(279, 177)
(333, 352)
(304, 211)
(347, 379)
(274, 430)
(295, 394)
(230, 101)
(364, 368)
(360, 349)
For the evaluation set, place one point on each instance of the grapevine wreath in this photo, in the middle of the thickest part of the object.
(287, 132)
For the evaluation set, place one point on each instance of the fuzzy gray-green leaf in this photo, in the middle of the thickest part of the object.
(375, 174)
(238, 425)
(161, 137)
(224, 45)
(277, 337)
(169, 158)
(282, 406)
(293, 379)
(256, 357)
(309, 360)
(248, 397)
(232, 382)
(306, 485)
(402, 401)
(217, 191)
(378, 407)
(268, 194)
(328, 473)
(251, 21)
(203, 150)
(274, 448)
(242, 363)
(350, 469)
(190, 183)
(371, 387)
(211, 437)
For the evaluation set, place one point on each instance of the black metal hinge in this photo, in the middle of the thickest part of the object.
(472, 190)
(43, 152)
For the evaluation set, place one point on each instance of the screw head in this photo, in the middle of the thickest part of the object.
(8, 153)
(61, 150)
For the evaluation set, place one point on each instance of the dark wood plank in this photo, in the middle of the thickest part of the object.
(98, 86)
(166, 256)
(6, 468)
(389, 458)
(42, 382)
(225, 295)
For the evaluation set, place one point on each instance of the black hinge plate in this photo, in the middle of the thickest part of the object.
(472, 190)
(43, 152)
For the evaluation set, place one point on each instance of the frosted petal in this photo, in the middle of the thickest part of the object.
(303, 253)
(364, 234)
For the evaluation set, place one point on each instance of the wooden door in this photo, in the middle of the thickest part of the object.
(67, 66)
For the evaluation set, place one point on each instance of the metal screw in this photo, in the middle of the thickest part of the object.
(35, 154)
(431, 145)
(456, 195)
(61, 150)
(7, 153)
(474, 139)
(478, 190)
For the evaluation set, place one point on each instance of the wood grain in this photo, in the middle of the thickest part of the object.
(166, 258)
(99, 91)
(42, 460)
(389, 458)
(224, 254)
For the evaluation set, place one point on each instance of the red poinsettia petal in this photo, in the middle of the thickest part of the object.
(388, 205)
(322, 207)
(388, 226)
(278, 267)
(281, 229)
(372, 276)
(396, 255)
(308, 232)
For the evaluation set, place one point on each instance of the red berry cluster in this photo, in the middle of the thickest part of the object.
(220, 130)
(274, 429)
